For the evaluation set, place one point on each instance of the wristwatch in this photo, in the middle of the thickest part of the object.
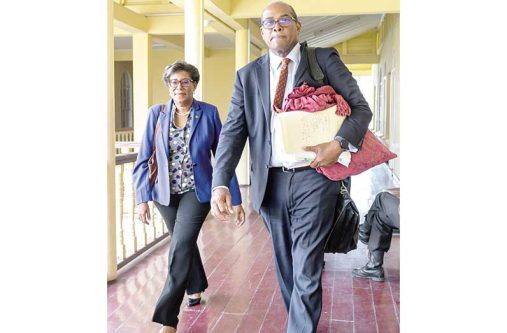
(343, 142)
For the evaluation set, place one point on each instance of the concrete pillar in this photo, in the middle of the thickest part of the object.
(141, 62)
(111, 200)
(194, 38)
(242, 48)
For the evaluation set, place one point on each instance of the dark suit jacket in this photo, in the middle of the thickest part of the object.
(250, 116)
(203, 140)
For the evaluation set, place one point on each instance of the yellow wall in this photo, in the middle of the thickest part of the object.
(218, 79)
(360, 69)
(359, 50)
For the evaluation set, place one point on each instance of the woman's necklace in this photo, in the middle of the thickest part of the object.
(179, 122)
(178, 112)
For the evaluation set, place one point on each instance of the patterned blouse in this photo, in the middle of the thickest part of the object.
(181, 174)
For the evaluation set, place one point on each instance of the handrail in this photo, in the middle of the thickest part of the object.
(125, 158)
(126, 144)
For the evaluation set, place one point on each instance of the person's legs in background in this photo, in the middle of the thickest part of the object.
(376, 232)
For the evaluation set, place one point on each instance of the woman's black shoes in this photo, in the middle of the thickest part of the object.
(194, 301)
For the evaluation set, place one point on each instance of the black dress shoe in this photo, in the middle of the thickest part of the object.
(194, 301)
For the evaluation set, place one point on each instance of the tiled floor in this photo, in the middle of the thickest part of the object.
(243, 294)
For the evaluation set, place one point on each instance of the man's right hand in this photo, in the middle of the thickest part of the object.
(143, 211)
(221, 204)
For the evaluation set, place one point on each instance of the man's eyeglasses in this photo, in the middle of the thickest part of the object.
(283, 21)
(184, 83)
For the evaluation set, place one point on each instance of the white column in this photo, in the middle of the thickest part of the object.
(111, 200)
(194, 38)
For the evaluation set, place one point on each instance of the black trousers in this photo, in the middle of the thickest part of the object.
(298, 210)
(382, 217)
(184, 217)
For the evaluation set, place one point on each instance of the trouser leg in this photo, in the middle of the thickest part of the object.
(386, 217)
(298, 211)
(187, 215)
(275, 214)
(382, 218)
(197, 281)
(365, 227)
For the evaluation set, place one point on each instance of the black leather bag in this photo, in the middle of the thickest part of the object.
(345, 230)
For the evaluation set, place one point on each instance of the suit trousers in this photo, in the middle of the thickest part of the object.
(297, 210)
(382, 217)
(184, 217)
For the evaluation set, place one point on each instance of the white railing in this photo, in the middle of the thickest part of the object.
(132, 236)
(124, 134)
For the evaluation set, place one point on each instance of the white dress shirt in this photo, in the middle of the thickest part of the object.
(278, 157)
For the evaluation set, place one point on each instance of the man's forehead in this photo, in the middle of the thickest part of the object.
(276, 11)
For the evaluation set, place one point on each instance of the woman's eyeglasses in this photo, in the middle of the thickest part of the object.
(184, 83)
(283, 21)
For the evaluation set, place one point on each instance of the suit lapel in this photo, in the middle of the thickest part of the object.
(165, 120)
(197, 118)
(262, 70)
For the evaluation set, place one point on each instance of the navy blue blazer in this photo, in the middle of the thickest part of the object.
(205, 131)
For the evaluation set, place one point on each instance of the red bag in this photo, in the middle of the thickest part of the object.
(371, 153)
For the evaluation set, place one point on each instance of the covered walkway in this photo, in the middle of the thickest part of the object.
(243, 294)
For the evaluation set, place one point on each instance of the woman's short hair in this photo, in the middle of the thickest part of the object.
(178, 66)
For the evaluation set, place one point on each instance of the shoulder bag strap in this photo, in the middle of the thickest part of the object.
(315, 69)
(162, 108)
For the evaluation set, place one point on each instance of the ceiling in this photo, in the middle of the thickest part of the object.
(318, 31)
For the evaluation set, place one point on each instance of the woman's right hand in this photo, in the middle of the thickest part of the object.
(143, 211)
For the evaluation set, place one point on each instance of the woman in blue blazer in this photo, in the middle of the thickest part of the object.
(187, 134)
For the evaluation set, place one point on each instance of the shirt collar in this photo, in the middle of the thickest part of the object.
(294, 55)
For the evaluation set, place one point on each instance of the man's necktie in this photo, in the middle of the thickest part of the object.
(280, 87)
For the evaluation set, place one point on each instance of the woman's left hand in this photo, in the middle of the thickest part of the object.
(240, 214)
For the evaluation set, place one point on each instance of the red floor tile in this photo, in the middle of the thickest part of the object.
(341, 327)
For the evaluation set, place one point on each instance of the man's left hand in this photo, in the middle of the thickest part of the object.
(327, 153)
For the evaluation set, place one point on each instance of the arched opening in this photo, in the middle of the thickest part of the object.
(126, 100)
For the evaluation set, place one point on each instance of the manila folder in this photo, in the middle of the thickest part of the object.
(301, 128)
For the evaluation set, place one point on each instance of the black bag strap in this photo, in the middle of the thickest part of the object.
(315, 69)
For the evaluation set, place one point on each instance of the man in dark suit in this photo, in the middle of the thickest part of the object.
(295, 202)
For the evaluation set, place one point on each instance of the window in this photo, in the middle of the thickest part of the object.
(393, 116)
(380, 125)
(126, 100)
